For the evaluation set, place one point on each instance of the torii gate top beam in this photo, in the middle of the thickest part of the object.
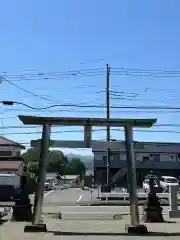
(98, 122)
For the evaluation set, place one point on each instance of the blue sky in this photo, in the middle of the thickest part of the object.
(58, 36)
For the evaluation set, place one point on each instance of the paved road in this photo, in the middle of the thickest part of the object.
(58, 201)
(73, 196)
(69, 196)
(77, 196)
(75, 200)
(91, 230)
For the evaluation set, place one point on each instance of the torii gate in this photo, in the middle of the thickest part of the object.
(47, 122)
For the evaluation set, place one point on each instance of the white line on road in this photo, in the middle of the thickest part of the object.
(48, 193)
(79, 199)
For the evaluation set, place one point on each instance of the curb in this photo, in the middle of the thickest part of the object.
(90, 216)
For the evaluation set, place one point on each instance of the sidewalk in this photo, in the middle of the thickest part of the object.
(92, 230)
(115, 209)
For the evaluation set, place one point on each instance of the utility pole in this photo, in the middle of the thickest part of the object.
(108, 117)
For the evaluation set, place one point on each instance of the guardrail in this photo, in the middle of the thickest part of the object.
(125, 196)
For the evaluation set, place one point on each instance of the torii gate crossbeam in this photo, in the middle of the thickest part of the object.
(47, 122)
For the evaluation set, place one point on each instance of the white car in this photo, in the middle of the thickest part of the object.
(146, 185)
(166, 181)
(50, 184)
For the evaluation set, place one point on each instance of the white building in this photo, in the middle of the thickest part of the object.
(10, 156)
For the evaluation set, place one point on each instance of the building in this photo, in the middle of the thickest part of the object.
(10, 156)
(9, 148)
(164, 158)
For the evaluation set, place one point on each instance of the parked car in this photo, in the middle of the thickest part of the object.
(156, 183)
(166, 181)
(146, 185)
(9, 186)
(50, 184)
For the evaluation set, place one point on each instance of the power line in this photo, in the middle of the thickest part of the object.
(139, 109)
(35, 126)
(25, 90)
(93, 106)
(95, 130)
(143, 100)
(146, 70)
(55, 75)
(87, 71)
(89, 111)
(73, 93)
(43, 114)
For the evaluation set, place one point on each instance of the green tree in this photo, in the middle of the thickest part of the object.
(56, 161)
(63, 166)
(32, 156)
(33, 167)
(31, 182)
(76, 166)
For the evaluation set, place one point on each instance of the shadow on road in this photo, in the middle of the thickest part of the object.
(149, 234)
(2, 221)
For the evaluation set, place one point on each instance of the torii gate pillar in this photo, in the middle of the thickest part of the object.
(46, 122)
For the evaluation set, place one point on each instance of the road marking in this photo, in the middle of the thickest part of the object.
(79, 199)
(48, 193)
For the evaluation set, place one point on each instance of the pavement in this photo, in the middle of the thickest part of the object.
(97, 221)
(75, 200)
(56, 199)
(96, 230)
(77, 196)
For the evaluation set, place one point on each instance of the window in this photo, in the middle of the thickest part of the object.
(178, 157)
(115, 155)
(18, 154)
(168, 179)
(146, 181)
(155, 157)
(5, 153)
(104, 158)
(145, 159)
(171, 180)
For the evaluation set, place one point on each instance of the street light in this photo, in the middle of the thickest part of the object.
(10, 103)
(7, 102)
(137, 107)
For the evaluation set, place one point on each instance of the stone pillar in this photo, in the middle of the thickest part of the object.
(173, 211)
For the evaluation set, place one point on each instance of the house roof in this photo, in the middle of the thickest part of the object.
(6, 142)
(11, 165)
(13, 158)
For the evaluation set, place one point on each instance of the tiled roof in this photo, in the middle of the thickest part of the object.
(11, 165)
(6, 142)
(14, 158)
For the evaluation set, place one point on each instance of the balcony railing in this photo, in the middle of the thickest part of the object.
(139, 164)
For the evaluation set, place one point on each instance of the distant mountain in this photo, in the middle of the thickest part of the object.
(87, 159)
